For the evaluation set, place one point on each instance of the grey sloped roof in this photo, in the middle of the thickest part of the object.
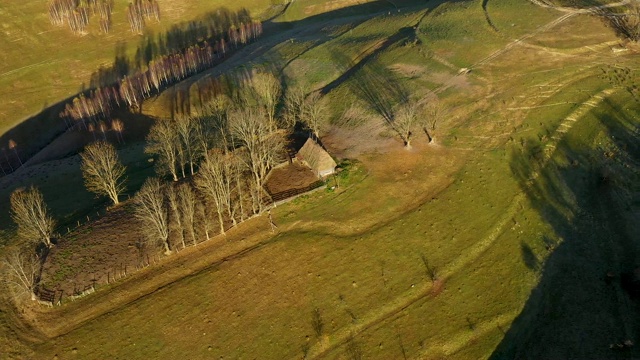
(316, 157)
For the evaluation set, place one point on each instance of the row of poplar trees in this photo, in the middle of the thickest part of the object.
(160, 72)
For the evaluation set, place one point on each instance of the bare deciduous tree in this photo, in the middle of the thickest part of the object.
(294, 106)
(203, 214)
(268, 90)
(211, 126)
(163, 141)
(405, 122)
(315, 113)
(263, 146)
(21, 272)
(29, 212)
(215, 181)
(241, 193)
(187, 127)
(102, 171)
(152, 213)
(435, 113)
(187, 201)
(174, 204)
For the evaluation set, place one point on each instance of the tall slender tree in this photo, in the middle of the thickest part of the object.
(152, 213)
(163, 141)
(294, 106)
(263, 147)
(268, 90)
(174, 205)
(215, 180)
(315, 113)
(187, 204)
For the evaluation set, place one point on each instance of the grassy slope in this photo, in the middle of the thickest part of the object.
(467, 212)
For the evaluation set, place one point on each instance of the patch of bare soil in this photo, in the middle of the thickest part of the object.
(460, 82)
(408, 70)
(371, 137)
(95, 252)
(291, 176)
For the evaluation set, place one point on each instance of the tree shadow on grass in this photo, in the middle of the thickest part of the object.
(579, 308)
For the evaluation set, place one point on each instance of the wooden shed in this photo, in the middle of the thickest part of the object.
(314, 156)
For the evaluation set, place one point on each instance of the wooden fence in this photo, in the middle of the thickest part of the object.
(294, 192)
(56, 297)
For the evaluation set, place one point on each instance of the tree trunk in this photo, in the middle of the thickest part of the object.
(221, 222)
(114, 198)
(193, 234)
(167, 251)
(429, 137)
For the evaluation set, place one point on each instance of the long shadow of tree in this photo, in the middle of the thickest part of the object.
(588, 194)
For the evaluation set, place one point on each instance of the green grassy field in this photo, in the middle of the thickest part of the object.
(527, 200)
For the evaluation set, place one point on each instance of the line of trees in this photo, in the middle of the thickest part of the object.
(162, 71)
(76, 13)
(141, 10)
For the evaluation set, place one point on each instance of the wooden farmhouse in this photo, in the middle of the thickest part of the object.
(314, 156)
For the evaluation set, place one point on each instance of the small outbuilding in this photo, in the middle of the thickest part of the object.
(314, 156)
